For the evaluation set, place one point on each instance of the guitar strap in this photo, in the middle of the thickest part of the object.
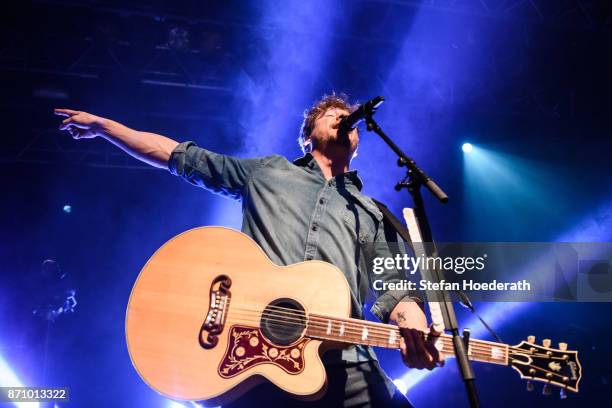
(393, 226)
(393, 222)
(434, 307)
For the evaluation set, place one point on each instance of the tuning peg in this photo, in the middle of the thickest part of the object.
(562, 394)
(546, 390)
(562, 346)
(546, 342)
(530, 339)
(529, 386)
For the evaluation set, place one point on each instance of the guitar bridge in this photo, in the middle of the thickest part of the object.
(214, 323)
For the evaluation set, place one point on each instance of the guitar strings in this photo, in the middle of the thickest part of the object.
(381, 337)
(293, 312)
(384, 341)
(383, 333)
(540, 355)
(482, 343)
(482, 352)
(359, 327)
(447, 346)
(547, 371)
(315, 322)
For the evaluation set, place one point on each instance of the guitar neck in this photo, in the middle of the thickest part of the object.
(356, 331)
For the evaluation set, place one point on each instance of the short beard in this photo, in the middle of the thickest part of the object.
(342, 138)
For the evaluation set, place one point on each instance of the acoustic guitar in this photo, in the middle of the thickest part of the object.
(210, 316)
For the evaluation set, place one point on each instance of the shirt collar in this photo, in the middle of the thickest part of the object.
(309, 161)
(306, 161)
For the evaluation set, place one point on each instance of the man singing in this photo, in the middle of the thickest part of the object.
(308, 209)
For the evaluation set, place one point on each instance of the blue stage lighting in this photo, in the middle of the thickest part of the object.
(401, 385)
(467, 148)
(187, 404)
(67, 208)
(8, 378)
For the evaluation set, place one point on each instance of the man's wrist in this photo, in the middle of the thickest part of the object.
(105, 127)
(408, 313)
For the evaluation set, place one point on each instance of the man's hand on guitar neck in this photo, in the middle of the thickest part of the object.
(417, 347)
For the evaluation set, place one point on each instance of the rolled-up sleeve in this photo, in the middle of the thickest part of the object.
(221, 174)
(387, 300)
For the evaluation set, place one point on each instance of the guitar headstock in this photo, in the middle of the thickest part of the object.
(553, 366)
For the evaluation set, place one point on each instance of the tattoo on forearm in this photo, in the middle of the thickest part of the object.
(401, 317)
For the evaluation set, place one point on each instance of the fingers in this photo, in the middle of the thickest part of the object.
(403, 350)
(424, 358)
(71, 121)
(432, 338)
(407, 352)
(434, 354)
(74, 132)
(441, 359)
(419, 352)
(65, 112)
(77, 123)
(65, 123)
(410, 355)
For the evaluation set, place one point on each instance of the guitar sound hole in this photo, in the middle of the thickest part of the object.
(283, 321)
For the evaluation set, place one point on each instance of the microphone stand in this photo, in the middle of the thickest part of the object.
(414, 180)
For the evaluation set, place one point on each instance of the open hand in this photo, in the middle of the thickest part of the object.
(80, 125)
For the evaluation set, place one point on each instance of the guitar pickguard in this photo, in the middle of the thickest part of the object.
(247, 347)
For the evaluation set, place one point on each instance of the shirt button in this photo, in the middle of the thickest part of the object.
(322, 201)
(309, 258)
(314, 227)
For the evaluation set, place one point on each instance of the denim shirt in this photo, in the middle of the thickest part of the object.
(296, 215)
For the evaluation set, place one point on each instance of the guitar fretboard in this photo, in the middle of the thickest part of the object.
(355, 331)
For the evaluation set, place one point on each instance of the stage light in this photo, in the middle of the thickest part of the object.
(283, 75)
(401, 385)
(188, 404)
(467, 148)
(9, 379)
(67, 208)
(595, 228)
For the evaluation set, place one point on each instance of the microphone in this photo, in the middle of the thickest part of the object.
(367, 109)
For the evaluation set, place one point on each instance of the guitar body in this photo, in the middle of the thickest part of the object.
(194, 323)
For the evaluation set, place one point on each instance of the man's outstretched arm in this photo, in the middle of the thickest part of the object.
(148, 147)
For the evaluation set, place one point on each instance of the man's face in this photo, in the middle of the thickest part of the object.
(325, 132)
